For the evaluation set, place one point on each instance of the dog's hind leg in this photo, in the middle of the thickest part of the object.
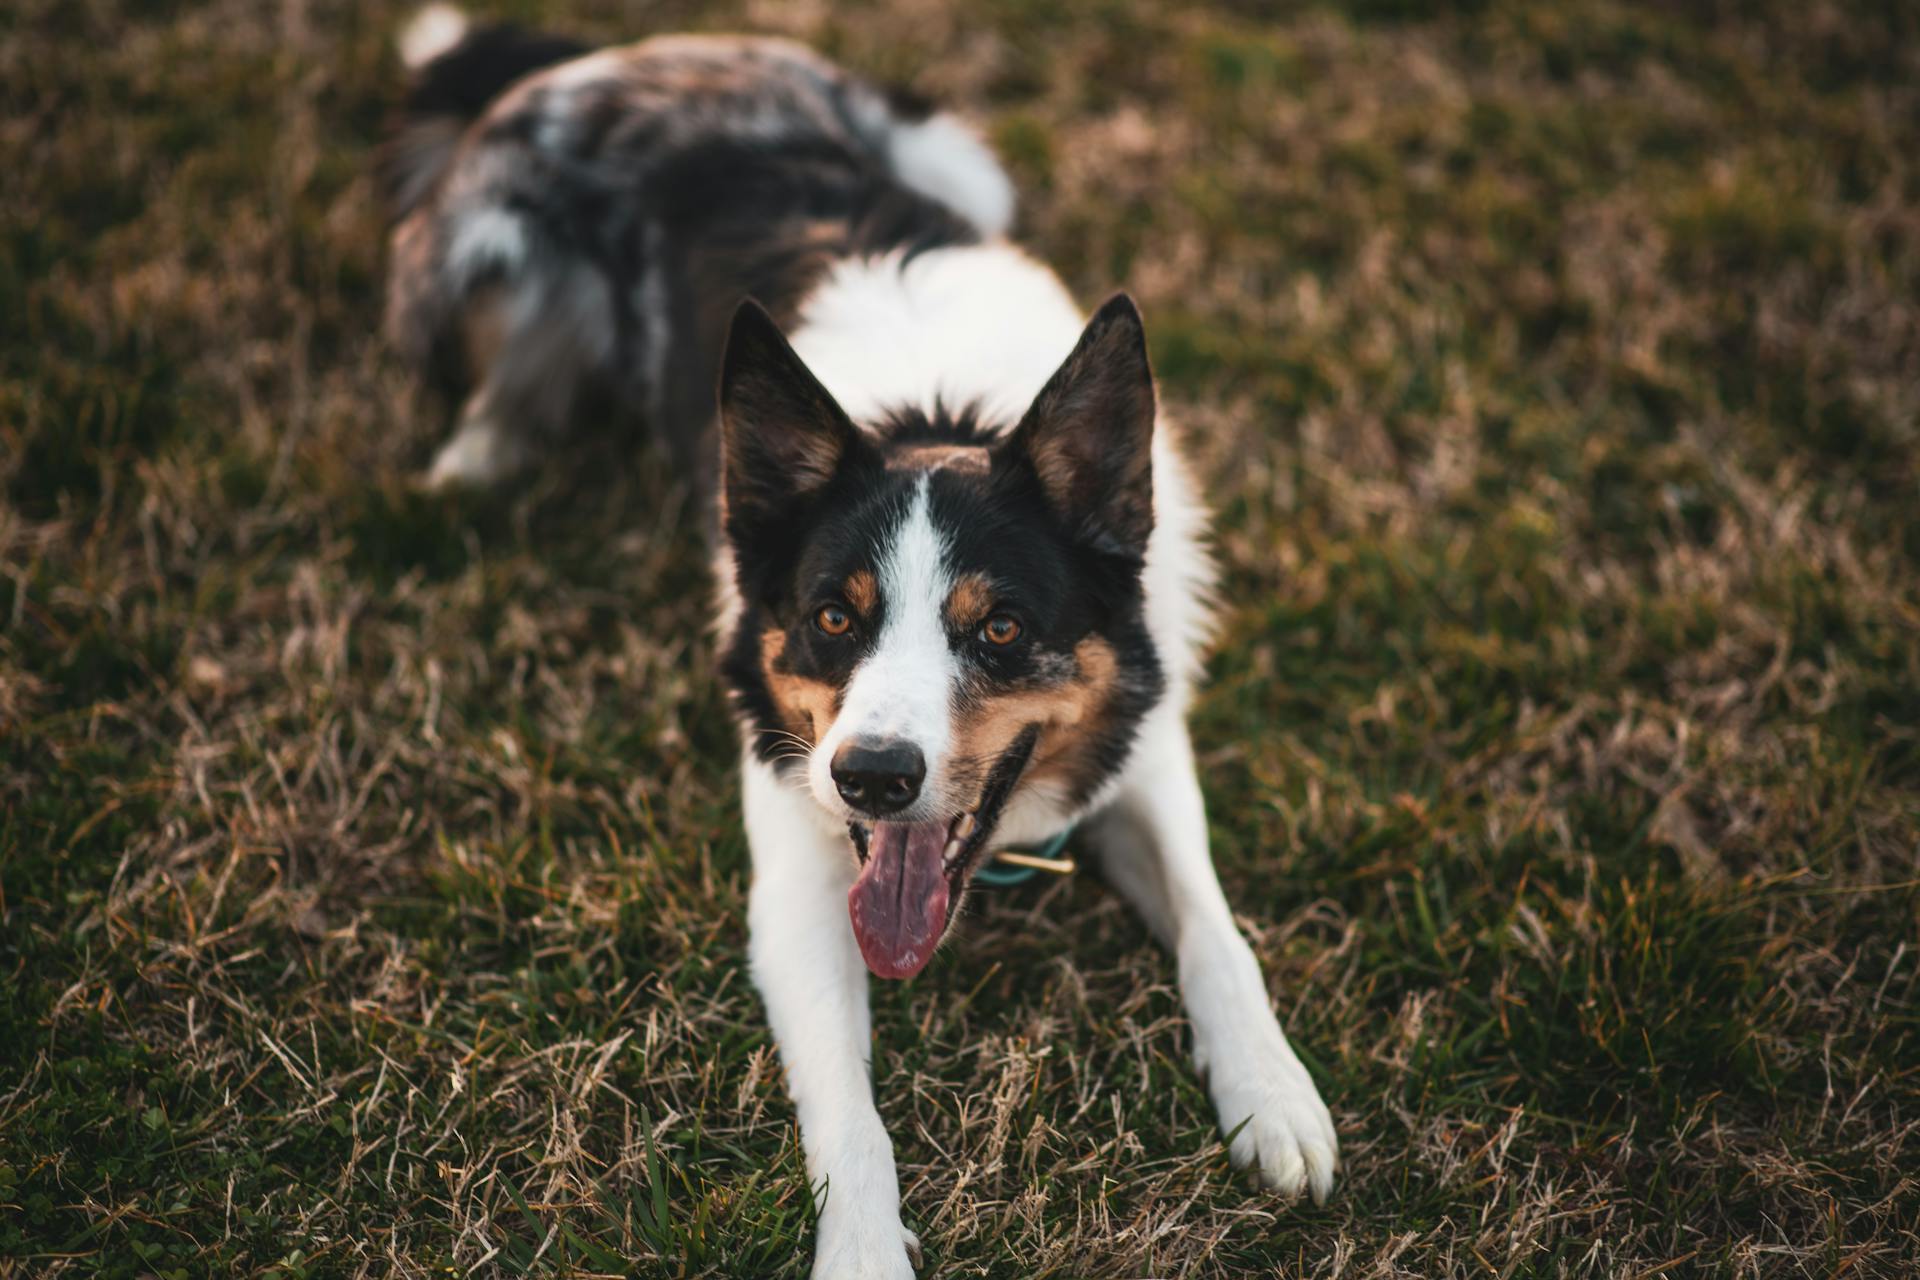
(810, 974)
(1152, 846)
(534, 345)
(481, 452)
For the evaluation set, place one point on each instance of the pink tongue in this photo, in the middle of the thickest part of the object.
(899, 903)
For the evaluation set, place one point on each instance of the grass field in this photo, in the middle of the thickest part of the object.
(371, 886)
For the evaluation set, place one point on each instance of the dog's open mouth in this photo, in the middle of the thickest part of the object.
(913, 876)
(913, 873)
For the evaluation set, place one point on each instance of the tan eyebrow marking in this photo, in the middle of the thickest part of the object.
(967, 459)
(969, 602)
(863, 592)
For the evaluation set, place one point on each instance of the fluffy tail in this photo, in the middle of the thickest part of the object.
(433, 31)
(457, 70)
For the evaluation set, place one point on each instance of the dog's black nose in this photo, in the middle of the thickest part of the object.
(879, 778)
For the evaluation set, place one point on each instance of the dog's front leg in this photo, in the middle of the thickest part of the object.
(814, 983)
(1152, 843)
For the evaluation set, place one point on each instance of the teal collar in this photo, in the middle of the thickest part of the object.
(996, 874)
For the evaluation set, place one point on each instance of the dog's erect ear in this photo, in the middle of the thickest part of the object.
(1089, 433)
(782, 436)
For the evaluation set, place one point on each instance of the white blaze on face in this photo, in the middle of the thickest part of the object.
(903, 690)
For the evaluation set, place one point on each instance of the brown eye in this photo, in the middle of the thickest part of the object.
(833, 620)
(1000, 630)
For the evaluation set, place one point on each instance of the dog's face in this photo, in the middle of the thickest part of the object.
(938, 615)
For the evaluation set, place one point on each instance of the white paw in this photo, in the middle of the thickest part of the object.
(1283, 1129)
(865, 1250)
(479, 455)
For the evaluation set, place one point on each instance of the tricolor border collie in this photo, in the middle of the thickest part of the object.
(961, 575)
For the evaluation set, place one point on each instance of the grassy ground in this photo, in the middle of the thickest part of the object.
(371, 881)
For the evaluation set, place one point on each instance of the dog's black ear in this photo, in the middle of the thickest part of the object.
(1089, 433)
(782, 436)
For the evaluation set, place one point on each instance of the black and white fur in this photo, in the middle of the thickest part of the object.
(924, 448)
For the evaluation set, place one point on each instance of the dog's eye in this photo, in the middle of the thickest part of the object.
(833, 620)
(1000, 630)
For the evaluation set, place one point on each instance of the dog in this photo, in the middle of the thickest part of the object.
(963, 588)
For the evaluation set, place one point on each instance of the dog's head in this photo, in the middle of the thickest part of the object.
(938, 614)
